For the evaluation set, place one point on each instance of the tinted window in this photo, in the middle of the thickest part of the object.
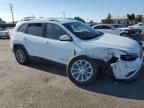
(54, 31)
(22, 28)
(106, 27)
(35, 29)
(97, 27)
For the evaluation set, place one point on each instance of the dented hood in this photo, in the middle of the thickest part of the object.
(115, 42)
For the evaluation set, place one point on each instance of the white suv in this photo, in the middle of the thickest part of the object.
(83, 50)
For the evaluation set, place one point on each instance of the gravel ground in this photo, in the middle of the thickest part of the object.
(45, 85)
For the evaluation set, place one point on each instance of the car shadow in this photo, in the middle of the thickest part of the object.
(48, 66)
(131, 90)
(106, 86)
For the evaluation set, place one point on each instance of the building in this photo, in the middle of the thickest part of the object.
(120, 20)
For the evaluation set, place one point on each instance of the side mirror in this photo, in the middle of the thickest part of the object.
(65, 38)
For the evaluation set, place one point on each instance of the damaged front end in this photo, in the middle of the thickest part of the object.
(124, 65)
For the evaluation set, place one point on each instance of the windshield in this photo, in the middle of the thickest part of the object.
(82, 30)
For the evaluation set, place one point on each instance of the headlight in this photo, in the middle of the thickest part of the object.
(129, 57)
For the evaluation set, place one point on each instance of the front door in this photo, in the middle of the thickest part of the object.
(56, 50)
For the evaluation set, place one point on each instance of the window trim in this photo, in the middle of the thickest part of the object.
(35, 23)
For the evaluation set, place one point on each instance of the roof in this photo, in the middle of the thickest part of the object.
(58, 20)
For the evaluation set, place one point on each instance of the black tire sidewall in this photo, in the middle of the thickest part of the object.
(25, 53)
(93, 64)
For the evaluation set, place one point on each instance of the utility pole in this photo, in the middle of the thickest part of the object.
(143, 17)
(64, 15)
(11, 9)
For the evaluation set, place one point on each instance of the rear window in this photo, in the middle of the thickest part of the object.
(35, 29)
(22, 28)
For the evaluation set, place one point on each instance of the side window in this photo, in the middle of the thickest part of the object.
(97, 27)
(22, 28)
(106, 27)
(53, 31)
(35, 29)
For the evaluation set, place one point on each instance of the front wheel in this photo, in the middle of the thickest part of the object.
(21, 55)
(82, 70)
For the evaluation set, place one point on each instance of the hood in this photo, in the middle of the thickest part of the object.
(115, 42)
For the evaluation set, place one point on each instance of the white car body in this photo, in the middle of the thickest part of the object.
(138, 26)
(103, 48)
(4, 34)
(110, 29)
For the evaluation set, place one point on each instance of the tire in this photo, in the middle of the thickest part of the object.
(81, 76)
(21, 55)
(124, 35)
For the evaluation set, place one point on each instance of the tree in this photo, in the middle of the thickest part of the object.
(108, 20)
(139, 18)
(1, 21)
(131, 17)
(79, 19)
(92, 23)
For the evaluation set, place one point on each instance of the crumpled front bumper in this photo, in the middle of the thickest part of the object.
(125, 70)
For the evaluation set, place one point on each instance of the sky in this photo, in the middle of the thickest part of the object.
(87, 9)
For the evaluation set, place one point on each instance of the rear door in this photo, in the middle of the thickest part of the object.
(34, 39)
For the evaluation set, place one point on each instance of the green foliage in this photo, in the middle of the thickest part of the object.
(139, 18)
(131, 17)
(79, 19)
(108, 20)
(92, 23)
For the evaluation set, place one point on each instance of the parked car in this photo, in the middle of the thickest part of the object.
(85, 51)
(131, 31)
(4, 34)
(138, 26)
(117, 30)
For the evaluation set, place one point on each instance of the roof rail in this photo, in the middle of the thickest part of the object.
(28, 19)
(56, 19)
(59, 19)
(53, 19)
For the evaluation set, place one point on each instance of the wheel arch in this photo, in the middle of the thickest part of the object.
(19, 45)
(103, 67)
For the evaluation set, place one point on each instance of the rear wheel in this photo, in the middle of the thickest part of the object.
(21, 55)
(82, 70)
